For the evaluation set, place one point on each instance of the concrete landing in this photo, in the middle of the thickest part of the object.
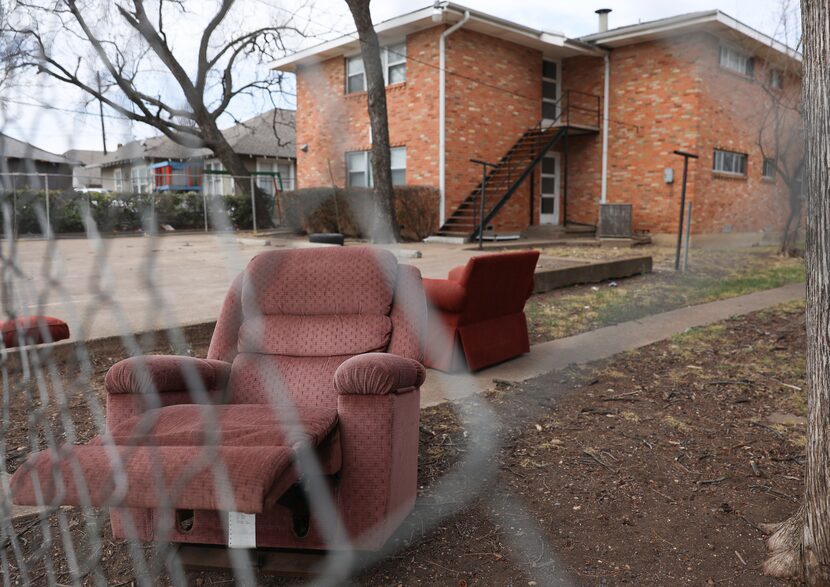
(601, 344)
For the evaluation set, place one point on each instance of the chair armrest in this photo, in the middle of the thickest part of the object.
(378, 374)
(161, 373)
(456, 273)
(445, 294)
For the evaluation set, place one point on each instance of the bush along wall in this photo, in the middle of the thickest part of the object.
(350, 211)
(117, 212)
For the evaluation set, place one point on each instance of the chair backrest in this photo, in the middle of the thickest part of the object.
(498, 284)
(292, 317)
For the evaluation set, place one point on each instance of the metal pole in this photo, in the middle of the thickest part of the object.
(686, 156)
(204, 206)
(682, 210)
(688, 235)
(481, 207)
(46, 187)
(253, 203)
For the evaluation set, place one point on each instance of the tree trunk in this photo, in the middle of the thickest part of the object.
(385, 227)
(789, 239)
(801, 546)
(215, 140)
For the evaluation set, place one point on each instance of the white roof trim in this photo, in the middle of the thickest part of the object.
(631, 34)
(450, 12)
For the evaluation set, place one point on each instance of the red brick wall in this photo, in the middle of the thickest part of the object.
(674, 95)
(664, 96)
(332, 122)
(498, 98)
(732, 111)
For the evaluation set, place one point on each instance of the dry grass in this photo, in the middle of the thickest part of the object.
(713, 275)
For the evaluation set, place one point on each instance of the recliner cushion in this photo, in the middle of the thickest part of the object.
(170, 454)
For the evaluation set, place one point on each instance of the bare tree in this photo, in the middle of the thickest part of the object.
(800, 546)
(781, 132)
(10, 51)
(781, 142)
(130, 44)
(386, 227)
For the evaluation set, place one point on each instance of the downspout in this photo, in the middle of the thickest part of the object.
(442, 113)
(606, 98)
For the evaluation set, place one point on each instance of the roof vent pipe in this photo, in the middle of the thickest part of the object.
(603, 19)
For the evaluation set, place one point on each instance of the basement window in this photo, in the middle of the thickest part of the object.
(393, 61)
(359, 168)
(736, 61)
(729, 162)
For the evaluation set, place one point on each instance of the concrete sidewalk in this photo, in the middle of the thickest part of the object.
(601, 344)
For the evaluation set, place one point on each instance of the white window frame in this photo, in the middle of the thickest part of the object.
(118, 179)
(365, 160)
(736, 60)
(776, 79)
(558, 82)
(389, 60)
(729, 162)
(139, 180)
(214, 184)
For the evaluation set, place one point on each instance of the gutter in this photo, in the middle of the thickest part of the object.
(606, 98)
(442, 114)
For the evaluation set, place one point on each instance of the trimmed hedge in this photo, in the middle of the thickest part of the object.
(350, 211)
(118, 212)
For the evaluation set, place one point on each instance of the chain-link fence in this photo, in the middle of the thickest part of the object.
(121, 456)
(176, 201)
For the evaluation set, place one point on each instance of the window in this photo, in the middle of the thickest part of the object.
(769, 168)
(776, 79)
(216, 182)
(359, 168)
(118, 180)
(355, 76)
(138, 180)
(735, 60)
(729, 162)
(393, 61)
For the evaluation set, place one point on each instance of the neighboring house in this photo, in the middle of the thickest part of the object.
(265, 143)
(87, 175)
(465, 85)
(25, 166)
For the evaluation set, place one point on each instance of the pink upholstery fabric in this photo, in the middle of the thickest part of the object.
(290, 320)
(230, 425)
(315, 336)
(409, 315)
(157, 373)
(27, 330)
(226, 333)
(378, 373)
(264, 379)
(254, 445)
(310, 282)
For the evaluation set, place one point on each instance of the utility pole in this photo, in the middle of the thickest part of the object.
(101, 114)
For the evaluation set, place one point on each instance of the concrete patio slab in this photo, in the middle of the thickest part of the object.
(175, 279)
(600, 344)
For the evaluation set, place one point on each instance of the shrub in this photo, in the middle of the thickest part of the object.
(350, 211)
(118, 212)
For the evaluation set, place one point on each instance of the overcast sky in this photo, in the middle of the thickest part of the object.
(70, 124)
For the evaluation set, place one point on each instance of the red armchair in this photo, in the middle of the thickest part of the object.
(476, 315)
(314, 349)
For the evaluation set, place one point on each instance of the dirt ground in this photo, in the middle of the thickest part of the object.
(651, 469)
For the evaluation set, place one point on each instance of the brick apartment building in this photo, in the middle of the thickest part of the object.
(571, 123)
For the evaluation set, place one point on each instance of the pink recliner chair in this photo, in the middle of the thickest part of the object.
(314, 349)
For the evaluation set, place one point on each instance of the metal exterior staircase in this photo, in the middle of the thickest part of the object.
(513, 169)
